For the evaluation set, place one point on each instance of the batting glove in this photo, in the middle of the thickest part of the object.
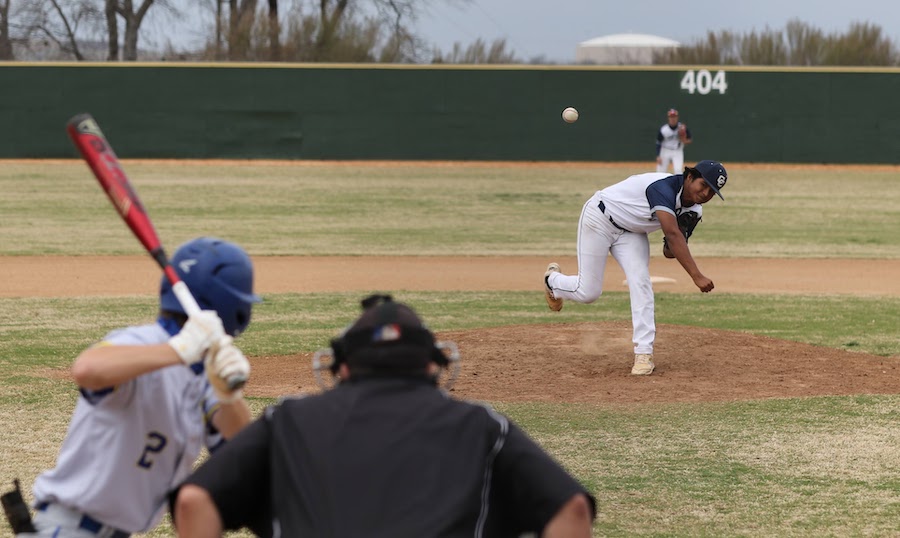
(227, 370)
(199, 333)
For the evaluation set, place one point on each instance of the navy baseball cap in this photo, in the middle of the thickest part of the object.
(714, 174)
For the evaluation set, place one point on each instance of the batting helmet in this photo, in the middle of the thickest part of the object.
(219, 275)
(388, 339)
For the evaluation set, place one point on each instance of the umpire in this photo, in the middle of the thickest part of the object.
(384, 453)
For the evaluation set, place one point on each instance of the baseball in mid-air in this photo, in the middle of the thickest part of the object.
(570, 115)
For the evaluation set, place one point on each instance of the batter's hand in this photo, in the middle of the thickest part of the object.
(706, 285)
(197, 335)
(225, 362)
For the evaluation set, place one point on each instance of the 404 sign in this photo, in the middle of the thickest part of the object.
(704, 82)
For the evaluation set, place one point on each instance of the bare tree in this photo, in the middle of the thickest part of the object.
(718, 49)
(219, 38)
(863, 44)
(112, 31)
(66, 23)
(274, 32)
(767, 47)
(331, 13)
(798, 44)
(806, 45)
(242, 16)
(318, 30)
(478, 52)
(355, 40)
(133, 19)
(394, 16)
(6, 51)
(69, 31)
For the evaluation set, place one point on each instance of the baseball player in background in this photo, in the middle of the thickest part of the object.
(151, 396)
(670, 142)
(385, 452)
(616, 220)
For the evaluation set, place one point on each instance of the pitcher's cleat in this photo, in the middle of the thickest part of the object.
(643, 365)
(554, 303)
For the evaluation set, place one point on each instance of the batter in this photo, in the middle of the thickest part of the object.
(151, 396)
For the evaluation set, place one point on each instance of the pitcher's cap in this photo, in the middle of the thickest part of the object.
(672, 112)
(714, 174)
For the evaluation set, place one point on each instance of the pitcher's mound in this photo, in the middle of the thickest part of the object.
(591, 362)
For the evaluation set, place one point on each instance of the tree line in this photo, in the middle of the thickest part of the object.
(235, 30)
(369, 31)
(798, 44)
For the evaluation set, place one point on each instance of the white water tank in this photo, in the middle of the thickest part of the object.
(622, 49)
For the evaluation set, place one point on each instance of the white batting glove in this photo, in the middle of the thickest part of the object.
(227, 370)
(199, 333)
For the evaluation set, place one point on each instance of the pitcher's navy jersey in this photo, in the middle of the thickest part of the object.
(633, 203)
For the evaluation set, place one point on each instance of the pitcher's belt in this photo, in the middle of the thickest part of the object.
(602, 207)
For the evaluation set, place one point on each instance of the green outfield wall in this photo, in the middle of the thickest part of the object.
(452, 112)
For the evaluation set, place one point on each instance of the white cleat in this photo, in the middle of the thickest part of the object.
(554, 303)
(643, 365)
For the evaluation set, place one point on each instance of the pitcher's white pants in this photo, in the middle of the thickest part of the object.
(597, 238)
(673, 156)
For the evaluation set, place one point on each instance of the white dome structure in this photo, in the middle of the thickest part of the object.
(622, 49)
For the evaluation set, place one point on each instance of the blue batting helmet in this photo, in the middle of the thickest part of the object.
(219, 275)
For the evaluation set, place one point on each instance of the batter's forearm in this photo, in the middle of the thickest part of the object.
(105, 366)
(231, 418)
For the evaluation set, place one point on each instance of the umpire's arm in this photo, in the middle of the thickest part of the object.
(230, 490)
(572, 520)
(196, 513)
(537, 494)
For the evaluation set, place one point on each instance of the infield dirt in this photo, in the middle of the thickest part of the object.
(579, 362)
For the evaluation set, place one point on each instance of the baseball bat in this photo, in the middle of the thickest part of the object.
(100, 157)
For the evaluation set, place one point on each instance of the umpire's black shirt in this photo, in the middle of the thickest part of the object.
(388, 458)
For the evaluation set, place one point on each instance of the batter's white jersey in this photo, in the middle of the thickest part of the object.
(128, 446)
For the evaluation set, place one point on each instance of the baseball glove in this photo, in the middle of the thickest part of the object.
(687, 221)
(682, 132)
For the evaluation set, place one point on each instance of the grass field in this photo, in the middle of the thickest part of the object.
(823, 466)
(469, 209)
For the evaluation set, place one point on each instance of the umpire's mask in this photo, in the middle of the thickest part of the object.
(388, 340)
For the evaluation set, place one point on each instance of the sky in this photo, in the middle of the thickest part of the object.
(552, 29)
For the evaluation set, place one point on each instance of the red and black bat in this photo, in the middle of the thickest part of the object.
(100, 157)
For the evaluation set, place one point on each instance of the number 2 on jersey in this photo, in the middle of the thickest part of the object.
(156, 442)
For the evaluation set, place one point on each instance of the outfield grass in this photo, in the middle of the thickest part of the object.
(791, 467)
(470, 209)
